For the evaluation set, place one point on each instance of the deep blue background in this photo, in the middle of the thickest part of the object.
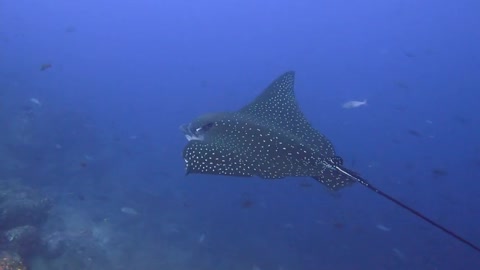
(142, 68)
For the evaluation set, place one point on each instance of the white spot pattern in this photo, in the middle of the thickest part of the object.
(269, 138)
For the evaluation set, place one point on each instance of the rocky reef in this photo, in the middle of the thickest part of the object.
(22, 213)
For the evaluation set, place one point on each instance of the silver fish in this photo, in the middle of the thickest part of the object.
(354, 104)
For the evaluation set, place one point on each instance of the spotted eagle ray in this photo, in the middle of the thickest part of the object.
(270, 138)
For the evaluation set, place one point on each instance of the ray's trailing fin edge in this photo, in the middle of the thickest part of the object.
(270, 138)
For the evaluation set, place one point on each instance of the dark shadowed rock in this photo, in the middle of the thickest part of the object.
(23, 240)
(20, 206)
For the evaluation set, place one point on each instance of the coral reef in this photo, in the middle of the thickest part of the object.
(11, 261)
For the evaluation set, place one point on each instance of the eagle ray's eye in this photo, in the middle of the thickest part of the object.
(204, 128)
(207, 127)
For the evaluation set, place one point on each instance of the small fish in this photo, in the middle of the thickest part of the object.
(354, 104)
(70, 29)
(46, 66)
(398, 254)
(383, 228)
(36, 101)
(414, 133)
(439, 172)
(320, 222)
(247, 203)
(401, 84)
(129, 211)
(409, 54)
(462, 120)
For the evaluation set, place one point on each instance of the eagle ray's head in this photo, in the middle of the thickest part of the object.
(199, 129)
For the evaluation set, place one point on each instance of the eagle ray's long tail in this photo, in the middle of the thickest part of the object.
(406, 207)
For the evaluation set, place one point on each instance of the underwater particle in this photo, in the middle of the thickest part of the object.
(354, 104)
(129, 211)
(439, 172)
(247, 203)
(320, 222)
(201, 238)
(400, 108)
(305, 184)
(204, 84)
(45, 66)
(476, 162)
(256, 267)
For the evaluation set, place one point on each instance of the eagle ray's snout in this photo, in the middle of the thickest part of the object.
(190, 133)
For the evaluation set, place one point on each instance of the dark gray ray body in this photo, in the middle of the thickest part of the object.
(269, 138)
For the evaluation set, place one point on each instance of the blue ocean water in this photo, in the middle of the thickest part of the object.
(92, 94)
